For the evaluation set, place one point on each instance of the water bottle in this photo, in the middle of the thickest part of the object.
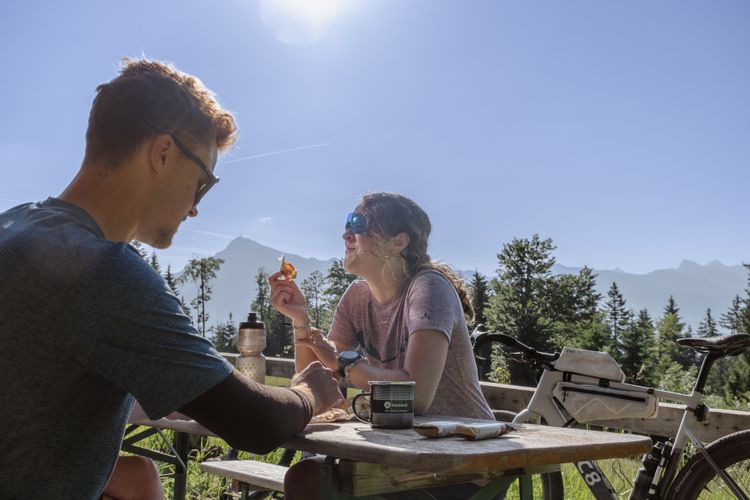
(251, 341)
(644, 487)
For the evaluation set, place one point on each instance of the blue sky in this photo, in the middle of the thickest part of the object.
(618, 129)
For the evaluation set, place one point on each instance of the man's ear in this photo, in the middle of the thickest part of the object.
(158, 150)
(399, 242)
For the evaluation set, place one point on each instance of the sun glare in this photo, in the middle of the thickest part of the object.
(298, 22)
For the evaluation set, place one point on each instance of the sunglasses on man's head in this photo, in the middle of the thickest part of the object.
(356, 223)
(212, 179)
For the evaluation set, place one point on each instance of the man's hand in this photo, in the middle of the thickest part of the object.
(317, 381)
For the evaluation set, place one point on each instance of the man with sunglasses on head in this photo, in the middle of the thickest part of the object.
(87, 326)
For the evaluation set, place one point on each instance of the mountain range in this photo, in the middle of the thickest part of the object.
(694, 287)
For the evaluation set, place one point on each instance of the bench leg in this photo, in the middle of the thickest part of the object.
(525, 488)
(180, 476)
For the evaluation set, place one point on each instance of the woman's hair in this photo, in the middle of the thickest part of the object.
(389, 214)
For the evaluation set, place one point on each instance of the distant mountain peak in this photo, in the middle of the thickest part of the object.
(687, 265)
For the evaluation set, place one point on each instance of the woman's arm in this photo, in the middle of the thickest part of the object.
(287, 298)
(424, 364)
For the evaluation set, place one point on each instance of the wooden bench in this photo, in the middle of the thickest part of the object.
(248, 475)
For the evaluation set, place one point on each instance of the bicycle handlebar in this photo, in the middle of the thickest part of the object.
(525, 354)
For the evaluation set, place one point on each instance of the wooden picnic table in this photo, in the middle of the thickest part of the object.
(373, 461)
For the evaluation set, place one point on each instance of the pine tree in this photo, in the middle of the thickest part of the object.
(224, 334)
(637, 347)
(171, 282)
(338, 280)
(587, 298)
(521, 300)
(732, 319)
(154, 261)
(278, 335)
(618, 318)
(140, 249)
(671, 307)
(479, 296)
(707, 327)
(261, 304)
(312, 288)
(744, 321)
(201, 271)
(669, 329)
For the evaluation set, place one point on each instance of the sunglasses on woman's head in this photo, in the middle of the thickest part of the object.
(356, 223)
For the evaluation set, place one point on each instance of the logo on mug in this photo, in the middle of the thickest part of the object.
(391, 404)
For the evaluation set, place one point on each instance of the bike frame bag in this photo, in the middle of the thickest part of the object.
(588, 403)
(590, 363)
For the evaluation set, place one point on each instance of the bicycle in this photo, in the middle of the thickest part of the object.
(579, 386)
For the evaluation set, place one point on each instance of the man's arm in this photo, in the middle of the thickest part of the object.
(258, 418)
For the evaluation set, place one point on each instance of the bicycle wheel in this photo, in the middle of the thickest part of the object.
(698, 480)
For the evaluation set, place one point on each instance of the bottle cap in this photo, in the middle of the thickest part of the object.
(252, 322)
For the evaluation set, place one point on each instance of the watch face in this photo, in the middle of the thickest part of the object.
(348, 356)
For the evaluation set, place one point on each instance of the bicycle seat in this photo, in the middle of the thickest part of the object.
(726, 345)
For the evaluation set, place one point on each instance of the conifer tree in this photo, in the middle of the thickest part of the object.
(278, 335)
(224, 334)
(618, 318)
(521, 300)
(337, 280)
(708, 327)
(261, 304)
(312, 288)
(670, 328)
(744, 320)
(140, 249)
(154, 261)
(732, 319)
(637, 347)
(201, 271)
(479, 295)
(671, 307)
(171, 282)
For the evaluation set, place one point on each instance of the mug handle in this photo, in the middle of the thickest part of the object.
(354, 407)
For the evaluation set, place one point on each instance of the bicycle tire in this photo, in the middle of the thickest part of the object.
(698, 480)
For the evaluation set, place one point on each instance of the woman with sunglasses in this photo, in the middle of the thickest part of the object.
(404, 320)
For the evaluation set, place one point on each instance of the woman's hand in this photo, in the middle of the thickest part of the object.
(287, 298)
(324, 349)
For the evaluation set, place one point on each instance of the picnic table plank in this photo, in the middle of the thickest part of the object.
(527, 445)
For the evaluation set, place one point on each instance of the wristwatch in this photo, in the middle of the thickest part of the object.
(349, 358)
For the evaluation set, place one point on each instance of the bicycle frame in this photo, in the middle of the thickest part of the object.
(543, 406)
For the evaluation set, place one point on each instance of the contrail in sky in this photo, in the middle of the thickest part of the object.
(208, 233)
(261, 155)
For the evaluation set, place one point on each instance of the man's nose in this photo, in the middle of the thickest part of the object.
(193, 212)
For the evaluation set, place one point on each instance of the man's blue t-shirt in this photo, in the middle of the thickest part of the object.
(86, 326)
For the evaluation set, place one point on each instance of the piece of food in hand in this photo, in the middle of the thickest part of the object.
(288, 269)
(332, 415)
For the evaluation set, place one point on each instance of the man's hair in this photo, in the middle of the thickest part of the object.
(148, 94)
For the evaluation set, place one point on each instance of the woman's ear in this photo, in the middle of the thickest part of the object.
(399, 243)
